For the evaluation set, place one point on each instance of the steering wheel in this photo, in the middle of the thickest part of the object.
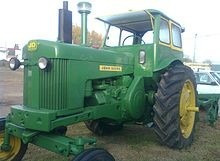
(134, 37)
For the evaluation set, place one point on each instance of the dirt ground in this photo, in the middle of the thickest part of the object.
(11, 89)
(133, 143)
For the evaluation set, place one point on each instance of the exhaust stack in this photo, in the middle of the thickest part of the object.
(65, 24)
(84, 8)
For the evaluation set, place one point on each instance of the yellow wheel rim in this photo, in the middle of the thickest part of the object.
(187, 108)
(15, 147)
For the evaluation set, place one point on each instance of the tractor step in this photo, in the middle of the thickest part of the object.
(62, 144)
(57, 143)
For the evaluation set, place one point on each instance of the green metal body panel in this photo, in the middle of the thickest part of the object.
(163, 57)
(62, 86)
(145, 70)
(82, 84)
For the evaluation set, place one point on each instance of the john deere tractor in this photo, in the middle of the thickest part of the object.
(136, 76)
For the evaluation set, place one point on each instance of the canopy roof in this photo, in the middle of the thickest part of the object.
(138, 21)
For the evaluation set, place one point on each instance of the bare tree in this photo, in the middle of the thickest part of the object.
(94, 39)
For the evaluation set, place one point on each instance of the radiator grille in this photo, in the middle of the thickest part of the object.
(53, 85)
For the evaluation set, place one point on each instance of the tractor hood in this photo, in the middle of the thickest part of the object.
(49, 49)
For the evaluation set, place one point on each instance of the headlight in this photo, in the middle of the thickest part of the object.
(14, 63)
(43, 63)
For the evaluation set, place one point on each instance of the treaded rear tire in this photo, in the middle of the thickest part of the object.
(166, 108)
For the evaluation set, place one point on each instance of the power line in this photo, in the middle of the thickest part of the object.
(201, 36)
(209, 35)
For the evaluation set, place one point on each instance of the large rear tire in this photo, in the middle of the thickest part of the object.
(175, 107)
(101, 128)
(18, 148)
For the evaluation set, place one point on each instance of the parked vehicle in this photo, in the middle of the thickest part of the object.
(208, 82)
(126, 80)
(208, 87)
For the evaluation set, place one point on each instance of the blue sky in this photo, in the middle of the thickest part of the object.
(22, 20)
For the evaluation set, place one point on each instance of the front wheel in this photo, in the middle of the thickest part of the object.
(175, 107)
(94, 154)
(18, 148)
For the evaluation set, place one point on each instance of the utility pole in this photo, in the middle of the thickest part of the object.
(194, 54)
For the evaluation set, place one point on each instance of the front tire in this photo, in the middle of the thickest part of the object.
(175, 107)
(18, 148)
(94, 154)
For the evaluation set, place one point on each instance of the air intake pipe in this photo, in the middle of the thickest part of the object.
(65, 24)
(84, 8)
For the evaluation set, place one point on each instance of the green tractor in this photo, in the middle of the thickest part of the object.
(136, 76)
